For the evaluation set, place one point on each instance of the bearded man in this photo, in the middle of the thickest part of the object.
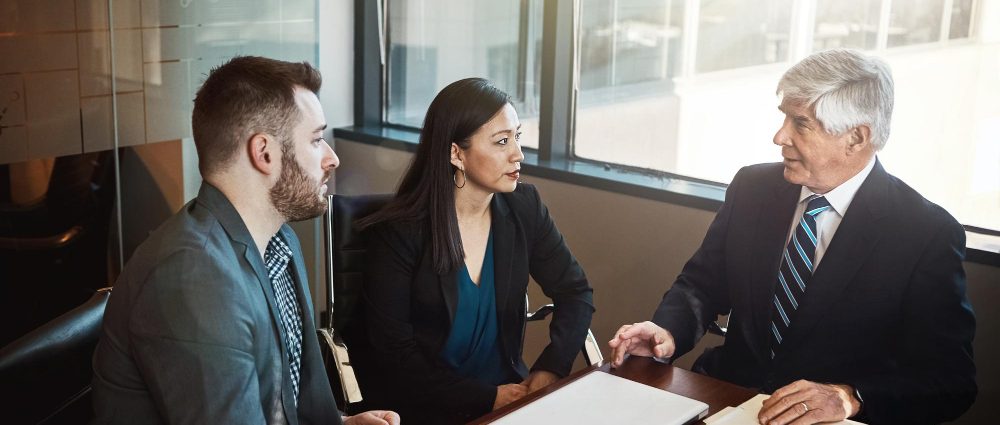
(211, 320)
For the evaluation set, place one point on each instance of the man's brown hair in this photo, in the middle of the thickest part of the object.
(243, 97)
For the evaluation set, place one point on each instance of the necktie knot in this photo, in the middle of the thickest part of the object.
(817, 205)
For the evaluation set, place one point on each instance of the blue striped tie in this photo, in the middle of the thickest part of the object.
(795, 270)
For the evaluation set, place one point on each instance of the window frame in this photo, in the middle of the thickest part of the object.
(554, 157)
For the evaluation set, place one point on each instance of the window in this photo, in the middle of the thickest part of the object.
(434, 43)
(683, 90)
(846, 24)
(705, 108)
(736, 33)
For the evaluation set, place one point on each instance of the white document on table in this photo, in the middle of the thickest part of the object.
(603, 398)
(746, 414)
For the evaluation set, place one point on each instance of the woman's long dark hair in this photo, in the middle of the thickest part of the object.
(427, 190)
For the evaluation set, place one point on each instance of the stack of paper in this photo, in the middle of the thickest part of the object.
(746, 414)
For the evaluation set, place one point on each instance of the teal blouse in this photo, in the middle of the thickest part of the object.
(473, 346)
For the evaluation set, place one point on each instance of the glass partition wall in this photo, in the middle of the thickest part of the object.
(95, 130)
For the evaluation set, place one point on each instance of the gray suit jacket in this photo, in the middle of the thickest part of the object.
(191, 331)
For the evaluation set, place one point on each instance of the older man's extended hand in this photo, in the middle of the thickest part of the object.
(373, 417)
(641, 339)
(805, 402)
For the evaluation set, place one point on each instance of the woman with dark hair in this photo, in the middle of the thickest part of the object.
(448, 264)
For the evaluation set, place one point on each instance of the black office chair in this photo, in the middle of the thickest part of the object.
(45, 375)
(54, 252)
(348, 247)
(354, 384)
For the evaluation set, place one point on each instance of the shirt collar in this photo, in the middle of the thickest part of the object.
(841, 196)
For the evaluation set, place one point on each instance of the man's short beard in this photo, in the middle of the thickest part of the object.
(295, 195)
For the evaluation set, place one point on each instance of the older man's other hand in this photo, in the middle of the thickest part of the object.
(805, 402)
(640, 339)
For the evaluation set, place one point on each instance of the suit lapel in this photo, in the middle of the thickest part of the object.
(775, 218)
(230, 219)
(301, 281)
(503, 251)
(449, 288)
(851, 246)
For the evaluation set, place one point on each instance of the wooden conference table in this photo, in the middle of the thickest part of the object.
(717, 394)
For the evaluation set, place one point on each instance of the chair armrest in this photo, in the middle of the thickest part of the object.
(42, 243)
(542, 312)
(717, 329)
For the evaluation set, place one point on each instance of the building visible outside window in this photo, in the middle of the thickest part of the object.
(688, 87)
(432, 43)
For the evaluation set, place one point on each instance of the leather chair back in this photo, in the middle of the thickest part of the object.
(45, 375)
(349, 246)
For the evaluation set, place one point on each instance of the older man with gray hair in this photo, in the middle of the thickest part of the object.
(845, 286)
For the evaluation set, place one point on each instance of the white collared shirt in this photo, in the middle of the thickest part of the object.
(828, 221)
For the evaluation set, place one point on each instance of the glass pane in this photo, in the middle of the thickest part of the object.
(961, 19)
(710, 126)
(914, 22)
(164, 49)
(846, 24)
(630, 53)
(434, 43)
(57, 187)
(737, 33)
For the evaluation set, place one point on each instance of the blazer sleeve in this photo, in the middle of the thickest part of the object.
(935, 381)
(699, 294)
(191, 340)
(391, 265)
(562, 279)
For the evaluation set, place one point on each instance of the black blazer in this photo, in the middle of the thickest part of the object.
(885, 312)
(410, 307)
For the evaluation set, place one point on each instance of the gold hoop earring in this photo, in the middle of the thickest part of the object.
(454, 178)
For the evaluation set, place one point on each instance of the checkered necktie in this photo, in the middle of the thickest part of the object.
(795, 271)
(276, 259)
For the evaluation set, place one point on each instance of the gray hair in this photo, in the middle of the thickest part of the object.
(846, 89)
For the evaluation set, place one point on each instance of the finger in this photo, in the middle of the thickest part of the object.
(617, 339)
(777, 406)
(618, 355)
(619, 332)
(813, 416)
(786, 391)
(790, 414)
(664, 345)
(394, 418)
(636, 330)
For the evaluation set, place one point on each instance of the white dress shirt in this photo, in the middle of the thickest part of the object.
(828, 221)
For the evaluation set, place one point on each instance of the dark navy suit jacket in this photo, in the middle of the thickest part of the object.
(885, 311)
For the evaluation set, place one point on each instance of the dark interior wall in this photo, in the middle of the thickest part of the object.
(633, 248)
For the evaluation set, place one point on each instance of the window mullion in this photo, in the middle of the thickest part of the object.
(368, 66)
(558, 96)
